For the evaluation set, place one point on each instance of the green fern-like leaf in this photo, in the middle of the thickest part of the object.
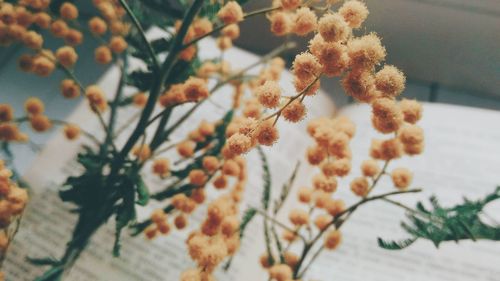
(440, 224)
(285, 190)
(266, 177)
(395, 245)
(247, 218)
(266, 197)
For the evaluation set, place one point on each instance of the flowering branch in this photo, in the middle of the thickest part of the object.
(166, 112)
(292, 99)
(220, 27)
(338, 223)
(157, 86)
(280, 224)
(440, 224)
(211, 155)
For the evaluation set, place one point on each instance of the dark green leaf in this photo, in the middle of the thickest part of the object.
(266, 178)
(247, 218)
(142, 192)
(124, 215)
(440, 224)
(393, 245)
(285, 190)
(43, 261)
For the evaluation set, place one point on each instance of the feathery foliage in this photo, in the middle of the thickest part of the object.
(266, 197)
(247, 218)
(440, 224)
(245, 221)
(266, 178)
(285, 190)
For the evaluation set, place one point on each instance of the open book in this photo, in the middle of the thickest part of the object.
(462, 157)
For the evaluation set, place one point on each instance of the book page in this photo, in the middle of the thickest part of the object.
(461, 158)
(47, 223)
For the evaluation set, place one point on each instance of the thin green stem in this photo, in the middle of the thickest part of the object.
(85, 133)
(142, 33)
(157, 86)
(170, 130)
(127, 123)
(220, 27)
(280, 224)
(337, 222)
(174, 188)
(158, 136)
(114, 106)
(292, 99)
(338, 218)
(94, 109)
(264, 59)
(160, 151)
(399, 204)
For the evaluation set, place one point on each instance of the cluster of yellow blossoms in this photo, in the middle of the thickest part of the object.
(13, 200)
(34, 114)
(218, 236)
(333, 51)
(23, 22)
(332, 155)
(34, 109)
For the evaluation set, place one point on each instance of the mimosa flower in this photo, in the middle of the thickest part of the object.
(401, 177)
(390, 81)
(142, 152)
(333, 28)
(96, 98)
(298, 217)
(71, 131)
(290, 4)
(305, 21)
(280, 272)
(269, 94)
(230, 13)
(332, 239)
(68, 11)
(161, 167)
(197, 177)
(117, 44)
(97, 26)
(305, 194)
(266, 133)
(59, 28)
(366, 51)
(40, 123)
(370, 168)
(294, 112)
(66, 56)
(103, 55)
(411, 135)
(281, 23)
(412, 110)
(360, 186)
(354, 13)
(69, 89)
(73, 37)
(232, 31)
(34, 106)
